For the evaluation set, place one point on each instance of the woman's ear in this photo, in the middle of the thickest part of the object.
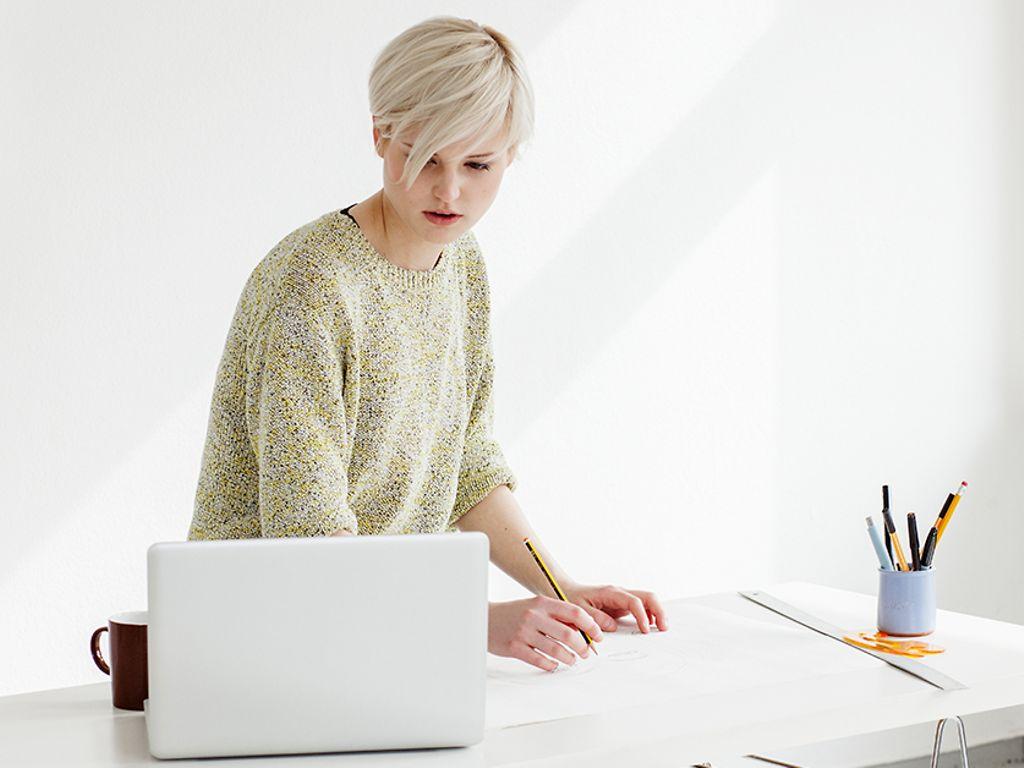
(378, 143)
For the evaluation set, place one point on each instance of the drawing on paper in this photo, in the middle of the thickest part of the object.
(525, 674)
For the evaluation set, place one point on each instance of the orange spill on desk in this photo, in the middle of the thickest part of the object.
(879, 641)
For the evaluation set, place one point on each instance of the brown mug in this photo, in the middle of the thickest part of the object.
(128, 668)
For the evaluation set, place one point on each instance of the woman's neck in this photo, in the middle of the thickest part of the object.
(386, 233)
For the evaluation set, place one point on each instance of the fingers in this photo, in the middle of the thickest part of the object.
(555, 650)
(636, 607)
(566, 634)
(652, 608)
(531, 656)
(572, 614)
(534, 652)
(656, 610)
(643, 606)
(604, 620)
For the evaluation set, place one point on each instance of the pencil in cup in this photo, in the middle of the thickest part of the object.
(947, 512)
(555, 587)
(890, 528)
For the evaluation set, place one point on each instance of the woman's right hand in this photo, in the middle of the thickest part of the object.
(540, 627)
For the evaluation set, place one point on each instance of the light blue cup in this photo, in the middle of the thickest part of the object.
(906, 602)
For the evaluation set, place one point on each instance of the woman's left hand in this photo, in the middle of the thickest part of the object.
(608, 603)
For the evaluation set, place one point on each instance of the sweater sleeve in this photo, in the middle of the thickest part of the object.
(296, 419)
(483, 466)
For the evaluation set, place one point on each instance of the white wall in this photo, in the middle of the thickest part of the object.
(759, 259)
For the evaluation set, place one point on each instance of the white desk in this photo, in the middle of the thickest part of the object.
(78, 726)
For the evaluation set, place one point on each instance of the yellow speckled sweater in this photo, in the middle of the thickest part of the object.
(352, 393)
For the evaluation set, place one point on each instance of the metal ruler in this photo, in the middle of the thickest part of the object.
(915, 668)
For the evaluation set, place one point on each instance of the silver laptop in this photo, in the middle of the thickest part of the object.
(296, 645)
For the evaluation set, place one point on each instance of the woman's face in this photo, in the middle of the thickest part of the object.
(452, 180)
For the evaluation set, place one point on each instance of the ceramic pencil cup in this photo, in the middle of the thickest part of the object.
(906, 602)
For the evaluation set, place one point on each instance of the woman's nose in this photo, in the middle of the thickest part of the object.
(447, 187)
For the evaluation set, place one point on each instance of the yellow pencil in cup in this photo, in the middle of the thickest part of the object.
(949, 513)
(554, 586)
(890, 529)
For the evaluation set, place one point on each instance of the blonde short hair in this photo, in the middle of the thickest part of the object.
(455, 80)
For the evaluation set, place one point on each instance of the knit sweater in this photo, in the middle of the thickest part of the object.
(352, 393)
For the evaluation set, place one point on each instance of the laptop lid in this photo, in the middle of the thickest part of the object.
(294, 645)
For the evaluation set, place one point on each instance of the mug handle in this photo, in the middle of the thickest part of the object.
(94, 645)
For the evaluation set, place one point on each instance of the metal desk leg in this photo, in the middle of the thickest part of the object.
(961, 733)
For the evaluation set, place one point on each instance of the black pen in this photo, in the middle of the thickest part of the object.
(885, 512)
(929, 547)
(915, 551)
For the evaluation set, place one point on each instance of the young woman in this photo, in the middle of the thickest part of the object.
(354, 395)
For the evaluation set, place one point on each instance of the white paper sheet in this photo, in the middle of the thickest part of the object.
(705, 650)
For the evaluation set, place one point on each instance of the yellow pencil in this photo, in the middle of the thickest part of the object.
(952, 506)
(554, 586)
(890, 528)
(899, 551)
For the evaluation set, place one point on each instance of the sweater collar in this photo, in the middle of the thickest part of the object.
(408, 278)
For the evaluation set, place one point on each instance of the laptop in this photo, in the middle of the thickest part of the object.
(324, 644)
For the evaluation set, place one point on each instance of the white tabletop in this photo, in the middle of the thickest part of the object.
(79, 726)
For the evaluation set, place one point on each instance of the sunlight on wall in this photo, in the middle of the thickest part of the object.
(608, 94)
(644, 433)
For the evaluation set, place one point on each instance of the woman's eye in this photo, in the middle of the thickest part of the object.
(474, 166)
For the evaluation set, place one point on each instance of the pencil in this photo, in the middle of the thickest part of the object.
(943, 512)
(949, 512)
(891, 528)
(554, 586)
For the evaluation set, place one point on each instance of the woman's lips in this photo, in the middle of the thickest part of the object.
(443, 221)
